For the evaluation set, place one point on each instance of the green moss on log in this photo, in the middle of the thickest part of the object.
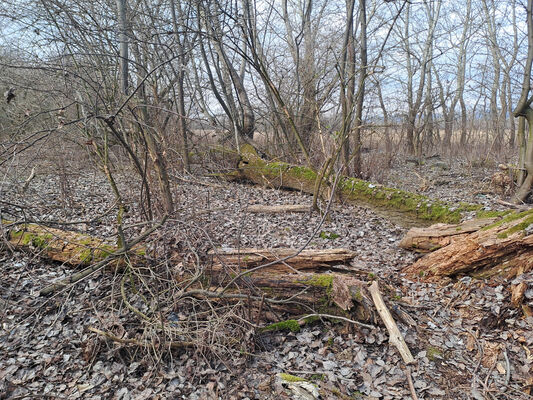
(40, 241)
(420, 206)
(510, 217)
(521, 226)
(280, 174)
(323, 281)
(64, 246)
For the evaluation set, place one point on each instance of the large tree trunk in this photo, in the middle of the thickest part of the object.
(503, 248)
(523, 111)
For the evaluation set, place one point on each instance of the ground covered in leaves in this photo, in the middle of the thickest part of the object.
(467, 339)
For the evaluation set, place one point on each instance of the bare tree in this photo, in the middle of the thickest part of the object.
(415, 96)
(524, 111)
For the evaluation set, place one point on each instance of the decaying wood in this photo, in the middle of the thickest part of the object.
(282, 208)
(116, 259)
(60, 245)
(296, 293)
(439, 235)
(395, 336)
(503, 248)
(286, 289)
(304, 260)
(414, 207)
(517, 294)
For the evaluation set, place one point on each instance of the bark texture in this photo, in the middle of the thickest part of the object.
(436, 236)
(309, 259)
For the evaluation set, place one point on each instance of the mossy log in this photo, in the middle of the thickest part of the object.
(290, 259)
(504, 247)
(283, 175)
(59, 245)
(298, 277)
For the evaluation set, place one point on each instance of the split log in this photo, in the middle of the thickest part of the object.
(439, 235)
(309, 259)
(283, 208)
(414, 207)
(502, 248)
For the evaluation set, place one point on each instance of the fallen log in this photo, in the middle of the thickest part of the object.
(296, 294)
(282, 208)
(309, 259)
(293, 293)
(439, 235)
(504, 247)
(59, 245)
(252, 167)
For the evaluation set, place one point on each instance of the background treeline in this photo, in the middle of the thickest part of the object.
(307, 80)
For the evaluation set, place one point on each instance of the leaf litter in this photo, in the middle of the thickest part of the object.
(468, 341)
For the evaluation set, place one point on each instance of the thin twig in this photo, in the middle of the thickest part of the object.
(329, 316)
(410, 383)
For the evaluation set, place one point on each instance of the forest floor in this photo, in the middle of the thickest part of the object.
(467, 339)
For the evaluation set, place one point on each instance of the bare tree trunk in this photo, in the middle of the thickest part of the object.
(360, 91)
(495, 87)
(347, 90)
(180, 90)
(464, 127)
(415, 100)
(524, 110)
(386, 128)
(123, 40)
(305, 69)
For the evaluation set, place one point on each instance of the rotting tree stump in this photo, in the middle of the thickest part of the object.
(504, 247)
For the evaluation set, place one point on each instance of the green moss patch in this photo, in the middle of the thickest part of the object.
(485, 214)
(420, 206)
(510, 217)
(320, 280)
(433, 353)
(328, 235)
(291, 378)
(40, 241)
(522, 226)
(290, 324)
